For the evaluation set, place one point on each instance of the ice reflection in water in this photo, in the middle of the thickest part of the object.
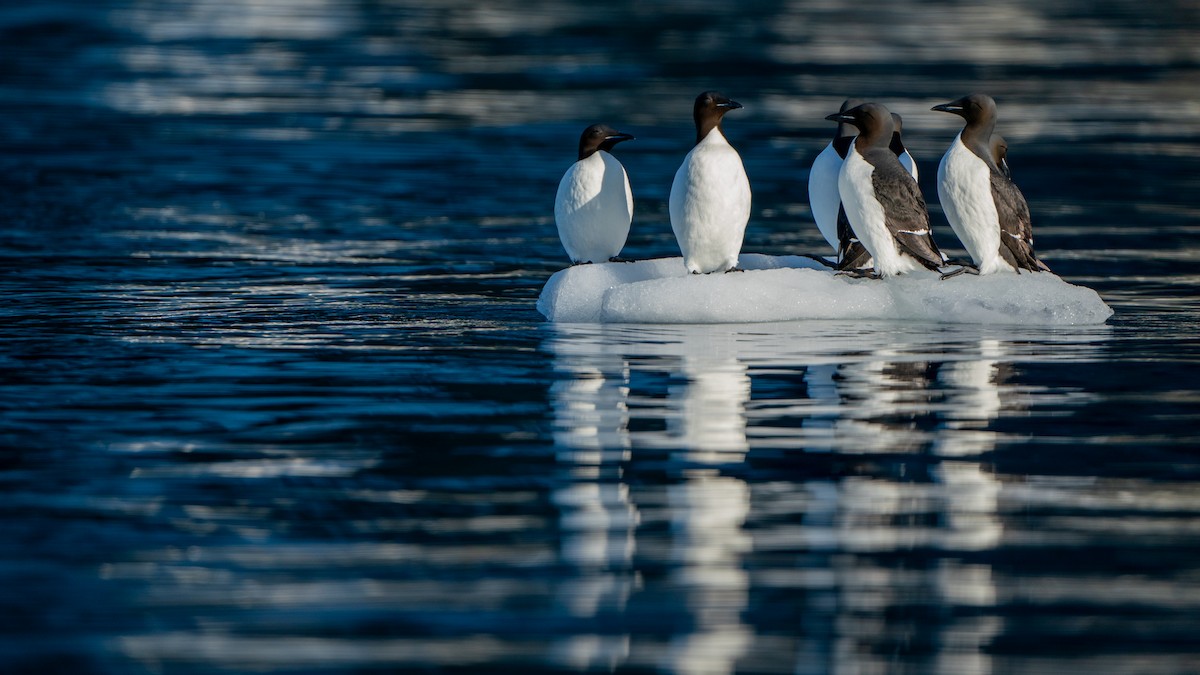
(691, 392)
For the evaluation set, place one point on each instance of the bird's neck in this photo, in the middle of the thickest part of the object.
(706, 126)
(873, 139)
(977, 137)
(841, 144)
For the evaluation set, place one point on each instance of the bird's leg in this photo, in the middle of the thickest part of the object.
(617, 258)
(581, 262)
(734, 269)
(819, 259)
(859, 274)
(969, 269)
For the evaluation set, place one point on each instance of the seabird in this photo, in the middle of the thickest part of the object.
(883, 204)
(823, 197)
(710, 196)
(825, 201)
(594, 206)
(985, 208)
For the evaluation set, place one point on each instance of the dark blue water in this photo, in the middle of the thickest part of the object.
(274, 395)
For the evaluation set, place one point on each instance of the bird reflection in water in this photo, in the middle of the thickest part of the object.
(940, 412)
(708, 510)
(597, 518)
(865, 600)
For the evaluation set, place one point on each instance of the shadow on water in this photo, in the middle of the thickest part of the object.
(274, 396)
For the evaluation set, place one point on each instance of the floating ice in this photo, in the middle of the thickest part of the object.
(787, 288)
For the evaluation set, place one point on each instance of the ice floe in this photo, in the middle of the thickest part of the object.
(788, 288)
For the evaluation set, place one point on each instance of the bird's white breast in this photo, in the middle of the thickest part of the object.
(965, 191)
(710, 205)
(593, 208)
(823, 196)
(867, 217)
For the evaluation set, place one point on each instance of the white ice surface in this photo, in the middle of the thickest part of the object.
(788, 288)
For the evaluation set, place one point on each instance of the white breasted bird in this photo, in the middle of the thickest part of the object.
(825, 200)
(823, 197)
(710, 197)
(882, 201)
(985, 208)
(594, 206)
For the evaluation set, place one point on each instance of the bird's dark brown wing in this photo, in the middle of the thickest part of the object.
(905, 211)
(852, 255)
(1016, 227)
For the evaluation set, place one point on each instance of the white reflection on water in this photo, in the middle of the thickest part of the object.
(892, 391)
(708, 513)
(706, 415)
(597, 519)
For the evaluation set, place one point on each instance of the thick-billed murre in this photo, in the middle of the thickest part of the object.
(823, 197)
(594, 205)
(984, 207)
(883, 203)
(710, 196)
(825, 200)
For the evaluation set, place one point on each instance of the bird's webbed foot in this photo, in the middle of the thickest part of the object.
(964, 267)
(868, 273)
(819, 259)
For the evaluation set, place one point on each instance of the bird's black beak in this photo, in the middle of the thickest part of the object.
(840, 117)
(952, 107)
(732, 105)
(617, 138)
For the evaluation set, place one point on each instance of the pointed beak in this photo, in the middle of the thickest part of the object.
(732, 105)
(617, 138)
(951, 107)
(840, 117)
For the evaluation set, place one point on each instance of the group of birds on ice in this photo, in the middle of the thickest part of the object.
(862, 190)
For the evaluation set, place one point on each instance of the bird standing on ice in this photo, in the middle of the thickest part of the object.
(594, 206)
(823, 197)
(852, 255)
(825, 200)
(710, 197)
(883, 204)
(985, 208)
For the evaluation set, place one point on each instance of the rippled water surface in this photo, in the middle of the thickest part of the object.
(274, 395)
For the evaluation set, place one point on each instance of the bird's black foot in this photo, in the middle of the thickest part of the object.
(961, 262)
(734, 269)
(581, 262)
(819, 259)
(616, 258)
(859, 274)
(969, 269)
